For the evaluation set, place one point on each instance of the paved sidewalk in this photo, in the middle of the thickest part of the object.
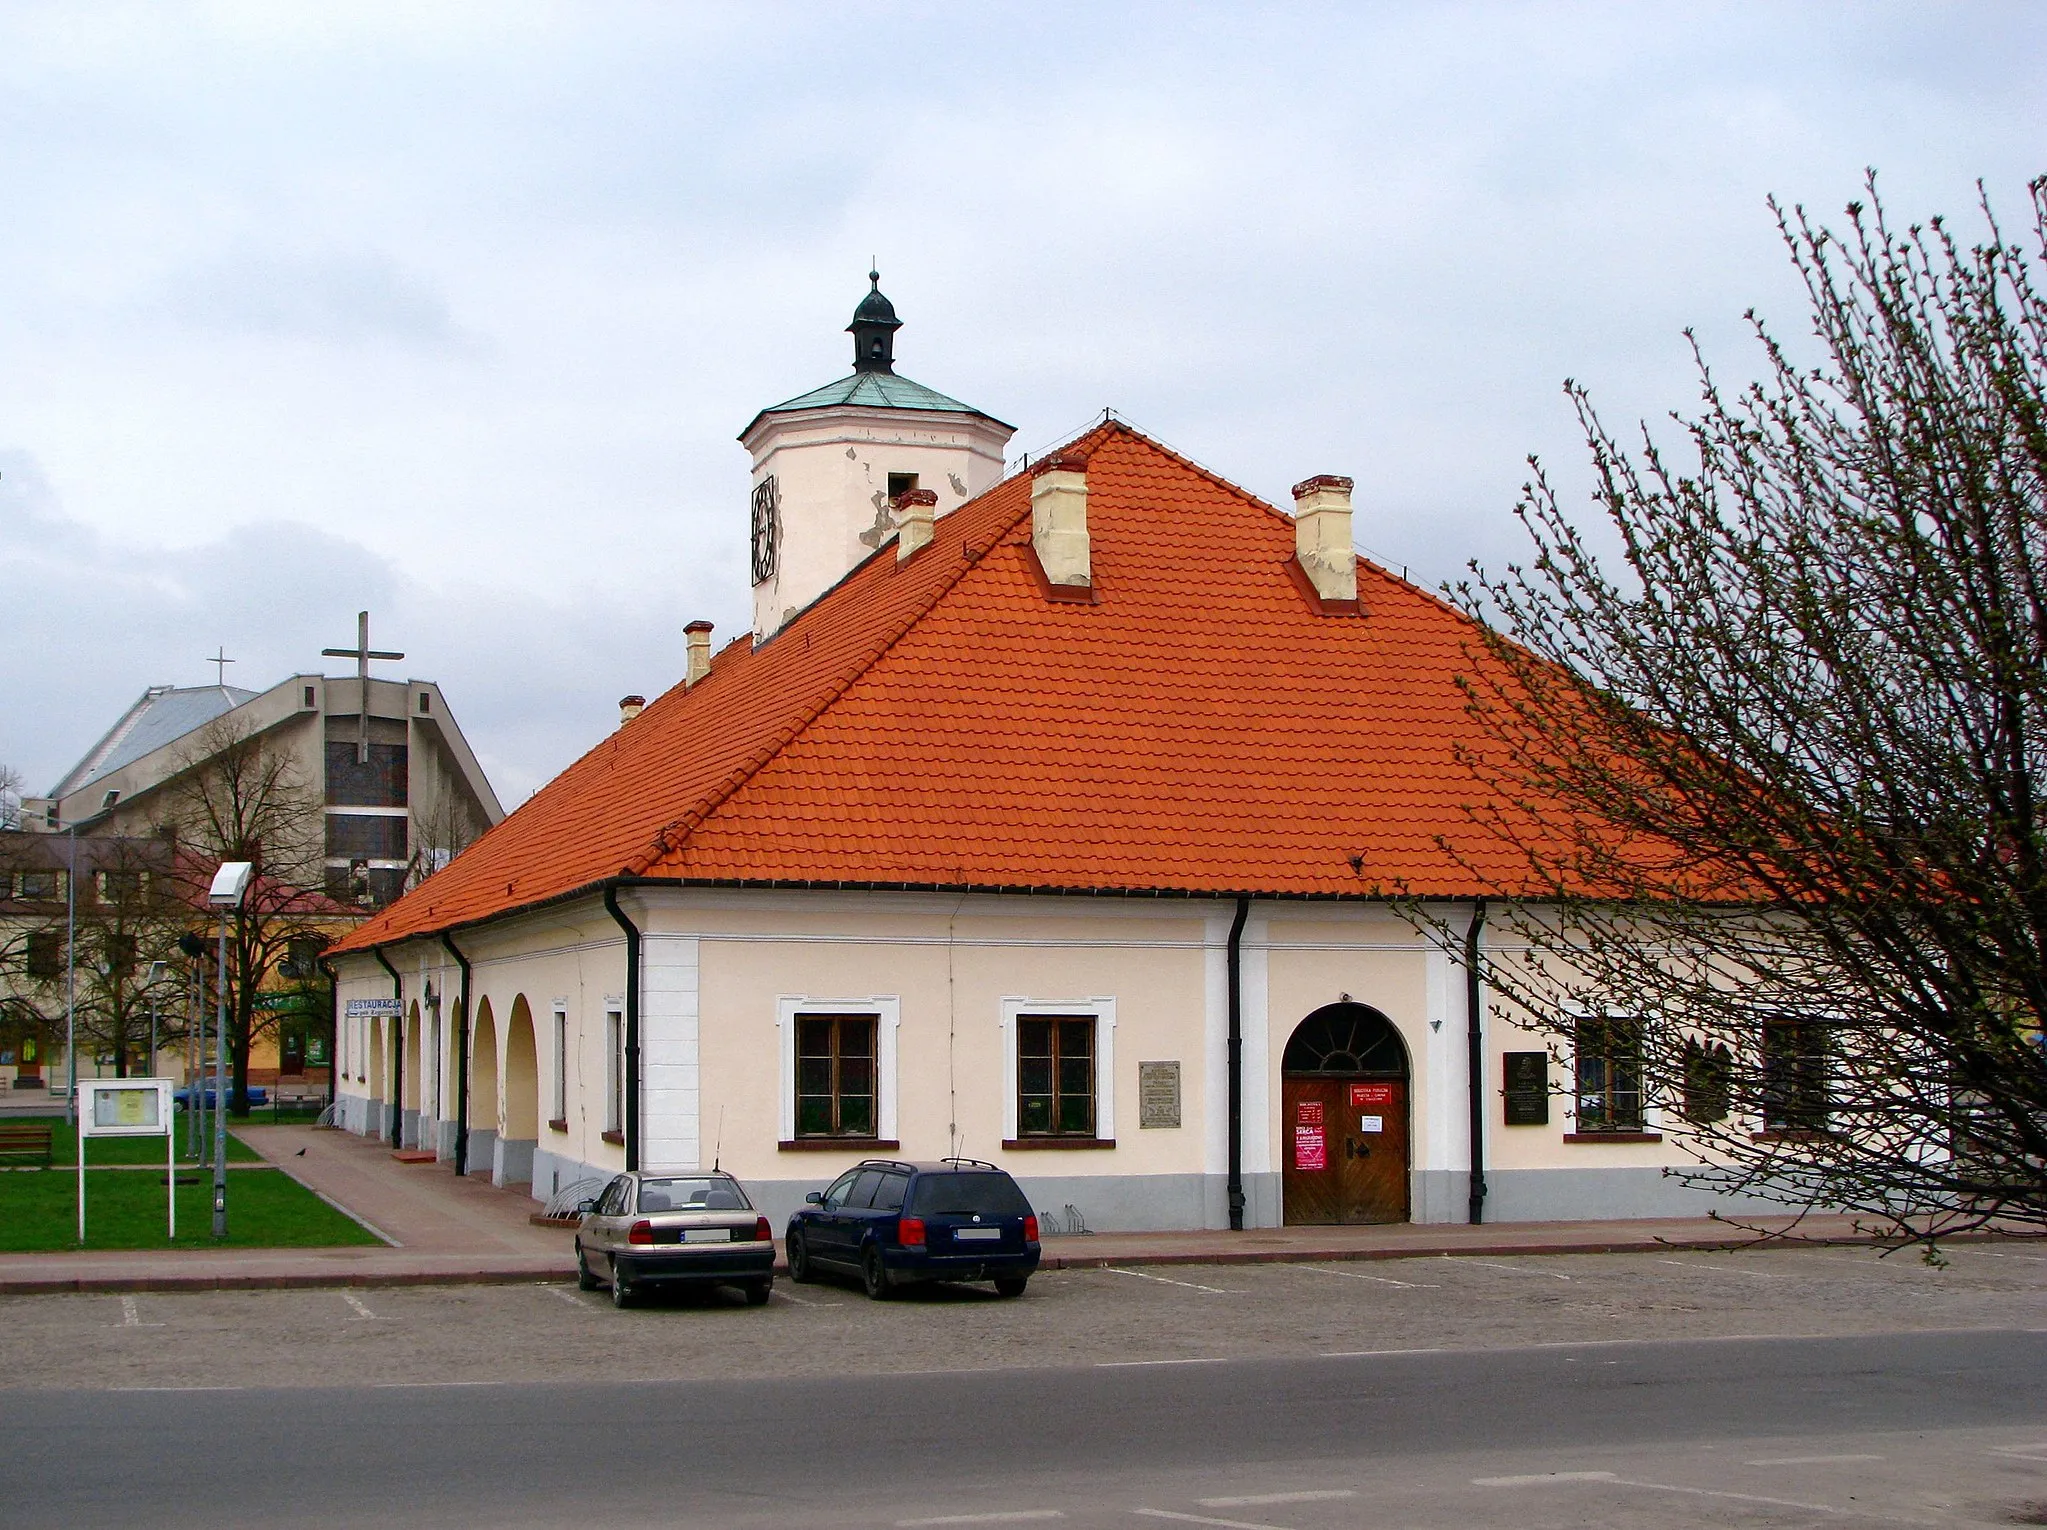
(448, 1231)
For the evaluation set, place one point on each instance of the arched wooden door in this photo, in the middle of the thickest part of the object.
(1343, 1097)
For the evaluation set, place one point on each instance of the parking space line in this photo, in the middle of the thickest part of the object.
(801, 1301)
(1543, 1479)
(1257, 1500)
(1732, 1269)
(1124, 1365)
(1110, 1269)
(1203, 1519)
(1362, 1354)
(1512, 1268)
(1412, 1285)
(574, 1299)
(131, 1316)
(1000, 1517)
(1808, 1460)
(1991, 1253)
(361, 1311)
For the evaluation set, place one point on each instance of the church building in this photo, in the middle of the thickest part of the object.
(1039, 819)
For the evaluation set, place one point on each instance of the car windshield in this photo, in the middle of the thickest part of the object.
(697, 1194)
(941, 1195)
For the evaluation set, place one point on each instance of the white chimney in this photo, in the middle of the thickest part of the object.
(630, 707)
(1059, 521)
(1322, 536)
(915, 509)
(699, 634)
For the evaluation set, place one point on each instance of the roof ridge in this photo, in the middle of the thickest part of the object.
(672, 836)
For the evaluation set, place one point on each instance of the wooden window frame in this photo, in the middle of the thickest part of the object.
(1057, 1095)
(1604, 1042)
(1102, 1011)
(839, 1025)
(886, 1012)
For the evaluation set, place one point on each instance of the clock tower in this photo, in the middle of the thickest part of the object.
(829, 464)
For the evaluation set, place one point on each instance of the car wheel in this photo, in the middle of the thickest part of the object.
(585, 1281)
(757, 1293)
(801, 1270)
(1012, 1285)
(874, 1277)
(621, 1290)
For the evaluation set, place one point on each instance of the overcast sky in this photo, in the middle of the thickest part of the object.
(454, 311)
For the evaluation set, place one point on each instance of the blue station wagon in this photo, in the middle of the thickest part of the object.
(893, 1224)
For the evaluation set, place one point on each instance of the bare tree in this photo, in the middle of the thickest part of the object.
(1769, 798)
(241, 798)
(132, 908)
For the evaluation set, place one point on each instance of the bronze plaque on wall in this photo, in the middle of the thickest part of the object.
(1527, 1087)
(1158, 1094)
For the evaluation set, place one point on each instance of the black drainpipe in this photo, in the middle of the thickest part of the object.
(461, 1061)
(632, 1027)
(1474, 1004)
(1236, 1068)
(397, 1050)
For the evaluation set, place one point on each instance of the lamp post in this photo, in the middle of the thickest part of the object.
(230, 885)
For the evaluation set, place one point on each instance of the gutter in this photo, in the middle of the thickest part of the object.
(461, 1061)
(1474, 1009)
(1236, 1066)
(397, 1049)
(632, 1026)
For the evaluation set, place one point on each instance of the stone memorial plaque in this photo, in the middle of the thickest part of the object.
(1526, 1076)
(1158, 1095)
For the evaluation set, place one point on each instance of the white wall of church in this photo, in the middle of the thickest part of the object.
(727, 973)
(831, 469)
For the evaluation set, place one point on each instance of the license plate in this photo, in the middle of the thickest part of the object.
(974, 1234)
(707, 1235)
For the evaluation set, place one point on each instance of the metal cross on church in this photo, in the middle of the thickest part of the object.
(362, 653)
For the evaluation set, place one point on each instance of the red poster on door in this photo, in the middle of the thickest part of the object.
(1308, 1112)
(1363, 1096)
(1311, 1151)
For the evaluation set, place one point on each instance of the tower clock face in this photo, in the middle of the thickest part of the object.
(766, 507)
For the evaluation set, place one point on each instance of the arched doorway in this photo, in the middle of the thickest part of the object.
(484, 1107)
(1343, 1098)
(520, 1129)
(410, 1073)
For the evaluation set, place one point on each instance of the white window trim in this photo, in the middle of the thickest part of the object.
(614, 1070)
(888, 1012)
(1104, 1012)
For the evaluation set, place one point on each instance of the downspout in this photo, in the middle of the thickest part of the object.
(397, 1049)
(1474, 1008)
(632, 1026)
(1236, 1066)
(461, 1061)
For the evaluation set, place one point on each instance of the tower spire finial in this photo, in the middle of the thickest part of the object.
(874, 328)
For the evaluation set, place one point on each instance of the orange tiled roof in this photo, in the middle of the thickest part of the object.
(1200, 728)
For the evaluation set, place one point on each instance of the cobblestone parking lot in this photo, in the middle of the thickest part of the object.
(1192, 1313)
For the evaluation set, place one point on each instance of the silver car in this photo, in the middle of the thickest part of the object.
(650, 1230)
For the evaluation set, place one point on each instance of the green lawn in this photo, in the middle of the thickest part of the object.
(266, 1208)
(104, 1150)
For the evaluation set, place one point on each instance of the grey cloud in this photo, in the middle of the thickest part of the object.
(324, 296)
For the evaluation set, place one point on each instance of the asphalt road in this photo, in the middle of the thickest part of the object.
(1932, 1427)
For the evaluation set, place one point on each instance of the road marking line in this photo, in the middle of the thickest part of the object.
(360, 1310)
(1315, 1269)
(1110, 1269)
(1010, 1517)
(1991, 1253)
(1732, 1269)
(1119, 1365)
(1543, 1479)
(179, 1389)
(131, 1317)
(1202, 1519)
(802, 1301)
(570, 1297)
(1514, 1268)
(1360, 1354)
(403, 1386)
(1254, 1500)
(1807, 1460)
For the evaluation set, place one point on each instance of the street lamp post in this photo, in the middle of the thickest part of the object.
(230, 885)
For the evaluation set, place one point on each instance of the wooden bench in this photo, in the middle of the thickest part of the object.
(26, 1139)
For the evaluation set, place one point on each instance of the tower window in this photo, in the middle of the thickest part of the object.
(900, 484)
